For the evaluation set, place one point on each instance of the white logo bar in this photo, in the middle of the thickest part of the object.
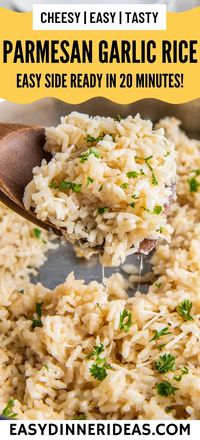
(101, 429)
(99, 17)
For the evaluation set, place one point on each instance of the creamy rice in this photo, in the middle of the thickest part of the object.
(48, 370)
(107, 184)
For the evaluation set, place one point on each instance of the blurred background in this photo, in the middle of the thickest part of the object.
(173, 5)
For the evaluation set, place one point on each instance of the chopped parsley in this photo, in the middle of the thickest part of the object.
(118, 118)
(184, 370)
(112, 136)
(80, 416)
(165, 363)
(160, 346)
(132, 204)
(102, 210)
(97, 350)
(193, 184)
(8, 410)
(153, 177)
(98, 305)
(167, 154)
(157, 210)
(37, 232)
(134, 197)
(85, 156)
(37, 321)
(184, 308)
(197, 172)
(101, 187)
(63, 186)
(158, 334)
(99, 369)
(125, 320)
(131, 174)
(146, 209)
(124, 185)
(53, 185)
(89, 180)
(158, 285)
(92, 139)
(75, 187)
(46, 367)
(165, 388)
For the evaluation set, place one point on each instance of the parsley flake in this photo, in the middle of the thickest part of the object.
(89, 180)
(184, 370)
(158, 334)
(37, 232)
(97, 350)
(165, 388)
(99, 369)
(157, 209)
(63, 186)
(91, 151)
(92, 139)
(193, 184)
(75, 187)
(124, 185)
(184, 308)
(132, 174)
(53, 185)
(197, 172)
(8, 410)
(125, 320)
(160, 346)
(37, 322)
(165, 363)
(80, 416)
(153, 177)
(102, 210)
(46, 367)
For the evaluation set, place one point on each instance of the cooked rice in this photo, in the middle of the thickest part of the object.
(86, 188)
(45, 370)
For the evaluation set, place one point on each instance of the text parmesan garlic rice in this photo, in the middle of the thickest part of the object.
(86, 351)
(108, 184)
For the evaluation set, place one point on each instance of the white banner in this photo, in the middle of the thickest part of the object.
(84, 429)
(99, 17)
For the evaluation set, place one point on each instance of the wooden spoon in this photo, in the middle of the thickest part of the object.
(21, 149)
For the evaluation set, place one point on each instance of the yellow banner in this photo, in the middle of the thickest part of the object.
(123, 66)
